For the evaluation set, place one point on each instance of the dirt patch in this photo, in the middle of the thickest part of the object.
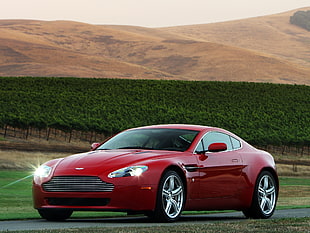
(19, 154)
(41, 147)
(26, 160)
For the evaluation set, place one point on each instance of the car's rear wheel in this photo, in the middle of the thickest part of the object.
(264, 197)
(55, 214)
(170, 198)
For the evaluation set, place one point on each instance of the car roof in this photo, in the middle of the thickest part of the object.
(178, 126)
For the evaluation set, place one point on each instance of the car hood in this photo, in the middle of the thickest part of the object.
(105, 161)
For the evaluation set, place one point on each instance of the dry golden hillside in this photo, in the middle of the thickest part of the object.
(264, 49)
(39, 48)
(273, 34)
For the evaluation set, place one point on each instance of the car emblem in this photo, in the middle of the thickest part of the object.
(79, 168)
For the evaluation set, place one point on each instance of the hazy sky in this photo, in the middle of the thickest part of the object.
(148, 13)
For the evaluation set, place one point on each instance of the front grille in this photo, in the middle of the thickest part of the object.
(77, 184)
(78, 201)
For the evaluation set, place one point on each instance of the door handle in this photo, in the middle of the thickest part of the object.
(235, 160)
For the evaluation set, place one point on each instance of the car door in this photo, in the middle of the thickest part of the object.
(219, 172)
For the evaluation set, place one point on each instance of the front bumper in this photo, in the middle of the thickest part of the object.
(124, 197)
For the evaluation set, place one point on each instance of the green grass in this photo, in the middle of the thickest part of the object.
(16, 196)
(292, 181)
(294, 192)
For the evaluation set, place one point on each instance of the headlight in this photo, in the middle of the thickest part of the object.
(43, 171)
(128, 171)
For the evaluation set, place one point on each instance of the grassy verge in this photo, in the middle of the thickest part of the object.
(271, 225)
(16, 196)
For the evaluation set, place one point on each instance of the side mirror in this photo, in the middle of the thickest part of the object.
(95, 145)
(217, 147)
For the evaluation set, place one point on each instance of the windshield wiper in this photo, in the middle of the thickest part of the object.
(136, 147)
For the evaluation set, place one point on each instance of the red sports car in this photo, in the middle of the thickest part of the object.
(160, 171)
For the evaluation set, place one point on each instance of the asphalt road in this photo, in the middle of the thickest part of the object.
(39, 224)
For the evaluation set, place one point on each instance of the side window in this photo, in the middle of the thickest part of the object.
(200, 147)
(235, 143)
(214, 137)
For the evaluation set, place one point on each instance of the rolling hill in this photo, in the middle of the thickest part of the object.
(271, 34)
(262, 49)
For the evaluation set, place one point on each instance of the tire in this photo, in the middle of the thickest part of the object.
(55, 214)
(170, 198)
(264, 197)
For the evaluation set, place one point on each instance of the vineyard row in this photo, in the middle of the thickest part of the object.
(261, 113)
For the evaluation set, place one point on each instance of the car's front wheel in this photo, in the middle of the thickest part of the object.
(264, 197)
(170, 198)
(55, 214)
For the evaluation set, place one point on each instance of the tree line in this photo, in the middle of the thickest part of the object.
(261, 113)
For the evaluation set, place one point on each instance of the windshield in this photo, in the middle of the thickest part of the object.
(152, 139)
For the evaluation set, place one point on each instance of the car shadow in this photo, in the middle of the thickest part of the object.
(184, 218)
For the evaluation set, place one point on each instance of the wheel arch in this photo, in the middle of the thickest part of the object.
(181, 173)
(274, 174)
(252, 211)
(255, 175)
(159, 214)
(258, 172)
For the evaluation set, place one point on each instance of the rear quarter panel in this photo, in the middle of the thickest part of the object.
(255, 161)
